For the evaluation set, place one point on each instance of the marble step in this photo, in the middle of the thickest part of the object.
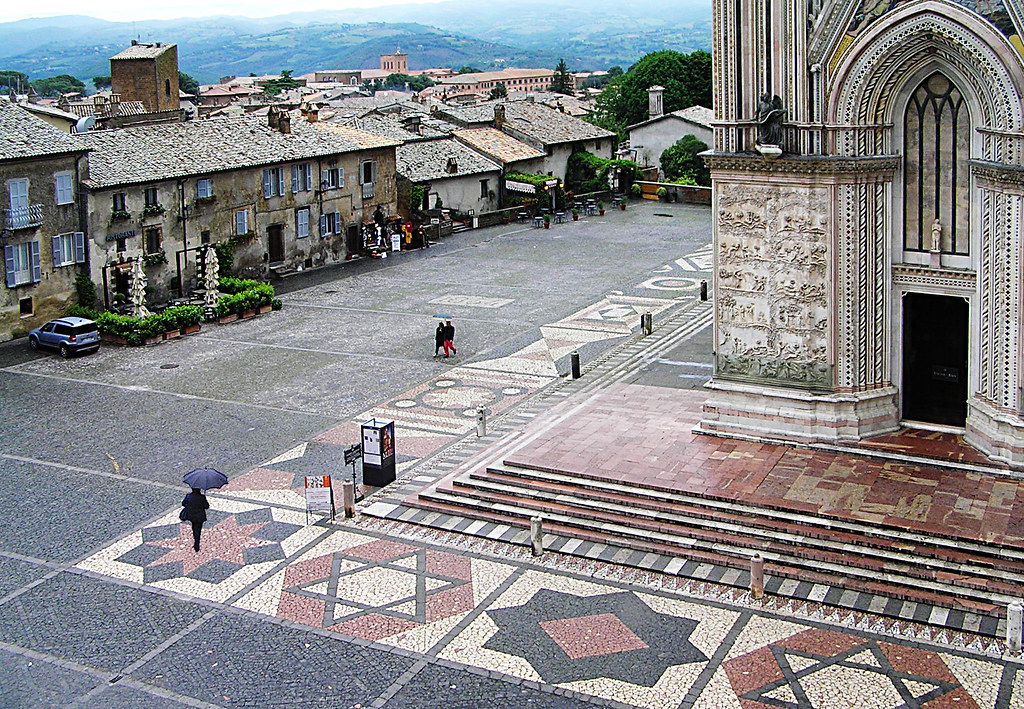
(705, 531)
(813, 525)
(631, 536)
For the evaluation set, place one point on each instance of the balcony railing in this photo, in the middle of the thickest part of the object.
(23, 217)
(368, 190)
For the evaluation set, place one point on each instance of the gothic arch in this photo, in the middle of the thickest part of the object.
(928, 36)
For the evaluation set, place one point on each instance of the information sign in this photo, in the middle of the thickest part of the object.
(319, 494)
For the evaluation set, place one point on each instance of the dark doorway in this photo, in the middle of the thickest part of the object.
(275, 239)
(352, 238)
(122, 280)
(935, 359)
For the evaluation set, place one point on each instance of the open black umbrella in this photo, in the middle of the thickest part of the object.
(205, 479)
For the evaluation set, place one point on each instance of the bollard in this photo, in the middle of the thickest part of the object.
(703, 290)
(1013, 628)
(536, 535)
(756, 576)
(647, 323)
(348, 497)
(574, 361)
(481, 422)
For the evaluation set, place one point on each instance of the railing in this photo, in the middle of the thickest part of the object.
(368, 190)
(23, 217)
(810, 139)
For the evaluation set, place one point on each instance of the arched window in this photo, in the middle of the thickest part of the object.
(936, 174)
(167, 87)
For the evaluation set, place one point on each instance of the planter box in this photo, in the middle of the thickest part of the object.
(265, 309)
(248, 314)
(228, 318)
(113, 339)
(192, 329)
(153, 340)
(172, 334)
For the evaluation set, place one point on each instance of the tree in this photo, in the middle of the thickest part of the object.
(187, 84)
(57, 85)
(400, 81)
(686, 78)
(562, 82)
(14, 80)
(614, 71)
(468, 70)
(101, 82)
(683, 160)
(498, 91)
(284, 83)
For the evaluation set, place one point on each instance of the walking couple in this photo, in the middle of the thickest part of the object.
(444, 336)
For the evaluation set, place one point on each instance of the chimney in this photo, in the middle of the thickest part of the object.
(655, 104)
(313, 115)
(285, 122)
(115, 98)
(273, 118)
(559, 105)
(135, 42)
(499, 115)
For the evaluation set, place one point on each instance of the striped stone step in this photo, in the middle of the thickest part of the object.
(712, 533)
(767, 511)
(712, 527)
(631, 536)
(808, 528)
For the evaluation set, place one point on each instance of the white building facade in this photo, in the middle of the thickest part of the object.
(868, 252)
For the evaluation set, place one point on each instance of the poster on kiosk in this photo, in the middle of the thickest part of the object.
(378, 452)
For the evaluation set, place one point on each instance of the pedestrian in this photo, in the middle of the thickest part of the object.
(423, 237)
(438, 337)
(195, 504)
(449, 338)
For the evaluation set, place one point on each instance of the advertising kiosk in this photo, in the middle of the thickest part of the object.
(378, 452)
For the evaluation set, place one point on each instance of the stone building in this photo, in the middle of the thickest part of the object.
(868, 170)
(453, 174)
(649, 139)
(285, 193)
(147, 73)
(42, 226)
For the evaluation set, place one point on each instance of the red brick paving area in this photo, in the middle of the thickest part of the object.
(642, 435)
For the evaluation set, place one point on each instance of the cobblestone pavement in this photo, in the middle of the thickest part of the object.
(104, 604)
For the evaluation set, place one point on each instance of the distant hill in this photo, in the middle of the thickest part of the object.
(589, 34)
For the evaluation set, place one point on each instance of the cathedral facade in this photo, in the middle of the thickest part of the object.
(868, 177)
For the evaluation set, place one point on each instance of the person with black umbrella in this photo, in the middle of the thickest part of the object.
(195, 505)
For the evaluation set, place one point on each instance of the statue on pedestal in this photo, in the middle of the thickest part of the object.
(936, 245)
(769, 119)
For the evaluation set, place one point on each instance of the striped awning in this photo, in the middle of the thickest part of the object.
(523, 187)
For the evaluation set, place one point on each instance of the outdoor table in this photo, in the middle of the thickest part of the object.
(538, 222)
(559, 217)
(522, 217)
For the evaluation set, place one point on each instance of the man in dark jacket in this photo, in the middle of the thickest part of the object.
(195, 504)
(438, 337)
(449, 338)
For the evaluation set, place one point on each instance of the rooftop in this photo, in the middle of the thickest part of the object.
(495, 75)
(170, 150)
(23, 135)
(698, 115)
(440, 159)
(142, 50)
(498, 145)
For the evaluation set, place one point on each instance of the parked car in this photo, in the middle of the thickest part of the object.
(66, 335)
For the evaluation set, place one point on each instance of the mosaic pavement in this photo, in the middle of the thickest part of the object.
(650, 643)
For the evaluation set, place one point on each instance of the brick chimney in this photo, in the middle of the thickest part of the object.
(655, 101)
(274, 118)
(285, 122)
(499, 115)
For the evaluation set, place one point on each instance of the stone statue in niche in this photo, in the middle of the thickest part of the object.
(936, 245)
(769, 120)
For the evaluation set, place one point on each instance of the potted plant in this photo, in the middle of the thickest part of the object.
(120, 215)
(151, 210)
(547, 221)
(600, 209)
(634, 191)
(575, 215)
(505, 218)
(662, 194)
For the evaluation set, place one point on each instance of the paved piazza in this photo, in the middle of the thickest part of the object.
(103, 602)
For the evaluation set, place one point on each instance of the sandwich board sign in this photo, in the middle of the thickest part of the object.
(319, 494)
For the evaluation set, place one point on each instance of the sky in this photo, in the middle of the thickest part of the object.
(129, 10)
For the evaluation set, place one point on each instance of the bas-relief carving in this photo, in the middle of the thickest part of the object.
(772, 287)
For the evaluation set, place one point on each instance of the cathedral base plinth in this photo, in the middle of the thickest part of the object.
(996, 433)
(740, 409)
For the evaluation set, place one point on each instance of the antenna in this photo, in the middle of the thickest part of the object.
(85, 123)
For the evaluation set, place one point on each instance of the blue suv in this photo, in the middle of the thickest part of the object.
(66, 335)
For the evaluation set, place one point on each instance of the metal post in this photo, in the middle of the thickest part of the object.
(756, 576)
(1013, 628)
(574, 361)
(537, 535)
(481, 422)
(647, 323)
(703, 290)
(348, 497)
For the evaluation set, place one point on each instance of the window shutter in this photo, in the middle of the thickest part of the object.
(9, 265)
(79, 238)
(309, 176)
(58, 252)
(33, 255)
(362, 171)
(295, 179)
(268, 189)
(373, 172)
(324, 181)
(337, 222)
(240, 222)
(280, 180)
(323, 225)
(341, 177)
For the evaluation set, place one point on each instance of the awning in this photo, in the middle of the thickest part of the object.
(523, 187)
